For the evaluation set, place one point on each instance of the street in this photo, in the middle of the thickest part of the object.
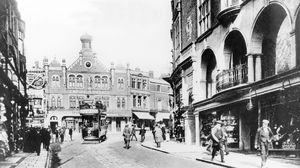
(112, 154)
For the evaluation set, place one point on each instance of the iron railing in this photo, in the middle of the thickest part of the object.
(232, 77)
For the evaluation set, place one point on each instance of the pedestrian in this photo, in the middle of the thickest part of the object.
(126, 135)
(142, 133)
(56, 134)
(47, 138)
(263, 138)
(37, 141)
(62, 134)
(167, 134)
(163, 129)
(225, 136)
(70, 133)
(217, 140)
(158, 135)
(133, 131)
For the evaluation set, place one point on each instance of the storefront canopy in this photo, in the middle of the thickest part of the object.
(162, 116)
(143, 115)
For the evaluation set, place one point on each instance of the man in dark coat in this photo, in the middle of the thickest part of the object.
(217, 135)
(70, 133)
(126, 135)
(142, 133)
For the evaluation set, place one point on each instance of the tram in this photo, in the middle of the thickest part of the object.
(94, 126)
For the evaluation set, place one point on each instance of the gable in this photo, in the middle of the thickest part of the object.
(87, 64)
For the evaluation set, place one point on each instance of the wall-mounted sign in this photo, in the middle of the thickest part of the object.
(36, 80)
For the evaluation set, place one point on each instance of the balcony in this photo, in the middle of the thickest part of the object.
(229, 10)
(232, 77)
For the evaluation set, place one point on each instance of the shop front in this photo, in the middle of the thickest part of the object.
(282, 109)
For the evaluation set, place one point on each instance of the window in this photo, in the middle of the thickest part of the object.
(105, 81)
(58, 102)
(105, 101)
(53, 102)
(97, 81)
(55, 80)
(72, 102)
(134, 100)
(118, 102)
(139, 101)
(120, 83)
(139, 83)
(133, 82)
(79, 81)
(123, 103)
(72, 80)
(144, 84)
(158, 88)
(204, 16)
(145, 102)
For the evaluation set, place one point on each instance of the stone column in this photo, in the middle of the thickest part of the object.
(258, 71)
(250, 68)
(189, 125)
(197, 129)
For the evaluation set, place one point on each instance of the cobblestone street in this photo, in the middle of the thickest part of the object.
(111, 153)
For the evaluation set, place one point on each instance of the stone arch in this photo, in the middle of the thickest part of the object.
(208, 68)
(234, 49)
(53, 118)
(271, 38)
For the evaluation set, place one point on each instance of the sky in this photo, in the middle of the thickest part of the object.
(124, 31)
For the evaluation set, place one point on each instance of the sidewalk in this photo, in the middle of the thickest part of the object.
(234, 159)
(25, 160)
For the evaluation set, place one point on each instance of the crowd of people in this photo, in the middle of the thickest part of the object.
(159, 131)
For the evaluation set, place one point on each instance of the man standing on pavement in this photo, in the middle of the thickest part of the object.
(142, 133)
(217, 138)
(71, 133)
(263, 138)
(133, 132)
(126, 135)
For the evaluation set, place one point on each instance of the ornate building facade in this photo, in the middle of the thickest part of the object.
(124, 92)
(234, 62)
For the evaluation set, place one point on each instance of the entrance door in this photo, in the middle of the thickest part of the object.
(53, 125)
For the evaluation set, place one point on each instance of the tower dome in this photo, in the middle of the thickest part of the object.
(85, 37)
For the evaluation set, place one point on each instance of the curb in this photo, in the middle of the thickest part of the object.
(215, 163)
(201, 160)
(159, 150)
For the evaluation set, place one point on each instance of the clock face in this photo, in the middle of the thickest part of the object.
(88, 64)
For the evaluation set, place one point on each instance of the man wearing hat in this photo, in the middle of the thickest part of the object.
(263, 138)
(217, 136)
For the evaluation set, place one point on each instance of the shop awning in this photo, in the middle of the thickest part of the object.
(143, 115)
(161, 116)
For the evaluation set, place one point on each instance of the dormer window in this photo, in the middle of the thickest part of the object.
(79, 81)
(97, 81)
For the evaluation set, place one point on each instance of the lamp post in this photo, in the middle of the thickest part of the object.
(13, 144)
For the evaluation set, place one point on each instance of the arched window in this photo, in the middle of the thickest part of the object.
(79, 81)
(54, 118)
(105, 81)
(58, 102)
(72, 80)
(97, 81)
(55, 81)
(53, 102)
(133, 81)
